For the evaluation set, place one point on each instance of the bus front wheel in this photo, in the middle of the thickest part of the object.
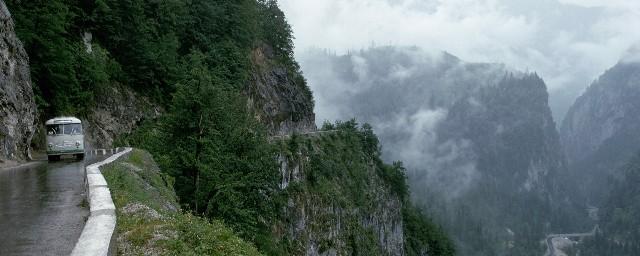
(79, 156)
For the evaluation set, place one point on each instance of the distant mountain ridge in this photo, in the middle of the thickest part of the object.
(601, 131)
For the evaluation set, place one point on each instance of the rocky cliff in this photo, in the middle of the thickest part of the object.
(343, 201)
(119, 111)
(601, 131)
(17, 105)
(279, 96)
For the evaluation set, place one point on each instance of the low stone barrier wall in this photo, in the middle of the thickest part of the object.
(98, 235)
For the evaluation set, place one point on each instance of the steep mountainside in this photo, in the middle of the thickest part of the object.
(601, 131)
(17, 105)
(278, 95)
(120, 111)
(478, 140)
(507, 138)
(149, 217)
(342, 200)
(619, 216)
(94, 59)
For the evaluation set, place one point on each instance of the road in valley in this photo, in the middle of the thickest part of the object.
(552, 249)
(41, 207)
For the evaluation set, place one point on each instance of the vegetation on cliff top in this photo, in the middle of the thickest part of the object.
(341, 170)
(149, 219)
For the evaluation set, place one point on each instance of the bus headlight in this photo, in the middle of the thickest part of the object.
(77, 143)
(50, 145)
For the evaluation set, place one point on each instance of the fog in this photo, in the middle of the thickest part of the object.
(568, 42)
(405, 93)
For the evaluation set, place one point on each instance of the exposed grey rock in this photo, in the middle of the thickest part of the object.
(279, 97)
(141, 210)
(322, 227)
(118, 111)
(17, 105)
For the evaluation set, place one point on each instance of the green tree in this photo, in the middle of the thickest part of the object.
(44, 27)
(223, 165)
(276, 31)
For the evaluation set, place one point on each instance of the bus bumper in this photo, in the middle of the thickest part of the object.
(65, 152)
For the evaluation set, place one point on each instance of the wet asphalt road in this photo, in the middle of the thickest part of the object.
(41, 211)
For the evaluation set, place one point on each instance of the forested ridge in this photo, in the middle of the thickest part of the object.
(191, 58)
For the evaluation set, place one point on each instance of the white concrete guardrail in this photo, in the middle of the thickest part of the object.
(98, 152)
(98, 235)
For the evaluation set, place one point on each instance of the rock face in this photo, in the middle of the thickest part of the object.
(478, 140)
(119, 111)
(278, 96)
(17, 105)
(345, 210)
(601, 131)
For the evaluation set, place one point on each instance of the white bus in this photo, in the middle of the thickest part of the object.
(64, 137)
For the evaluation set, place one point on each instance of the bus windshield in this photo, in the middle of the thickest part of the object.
(67, 129)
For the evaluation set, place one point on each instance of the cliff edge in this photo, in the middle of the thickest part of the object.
(17, 104)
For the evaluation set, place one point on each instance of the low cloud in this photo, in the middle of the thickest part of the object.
(446, 167)
(633, 55)
(405, 94)
(568, 42)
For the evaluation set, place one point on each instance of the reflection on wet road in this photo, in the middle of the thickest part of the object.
(41, 208)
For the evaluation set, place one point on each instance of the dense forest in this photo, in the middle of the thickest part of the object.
(619, 222)
(142, 44)
(192, 58)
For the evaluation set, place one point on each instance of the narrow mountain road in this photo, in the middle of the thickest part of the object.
(552, 249)
(306, 134)
(41, 207)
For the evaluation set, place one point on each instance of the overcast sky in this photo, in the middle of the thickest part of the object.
(568, 42)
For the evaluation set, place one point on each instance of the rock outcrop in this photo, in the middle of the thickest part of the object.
(278, 96)
(17, 105)
(117, 112)
(336, 205)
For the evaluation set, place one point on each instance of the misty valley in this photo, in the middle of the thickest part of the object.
(266, 127)
(484, 156)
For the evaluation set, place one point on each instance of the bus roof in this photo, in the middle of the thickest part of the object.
(63, 120)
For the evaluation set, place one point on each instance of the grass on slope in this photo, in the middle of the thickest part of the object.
(150, 221)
